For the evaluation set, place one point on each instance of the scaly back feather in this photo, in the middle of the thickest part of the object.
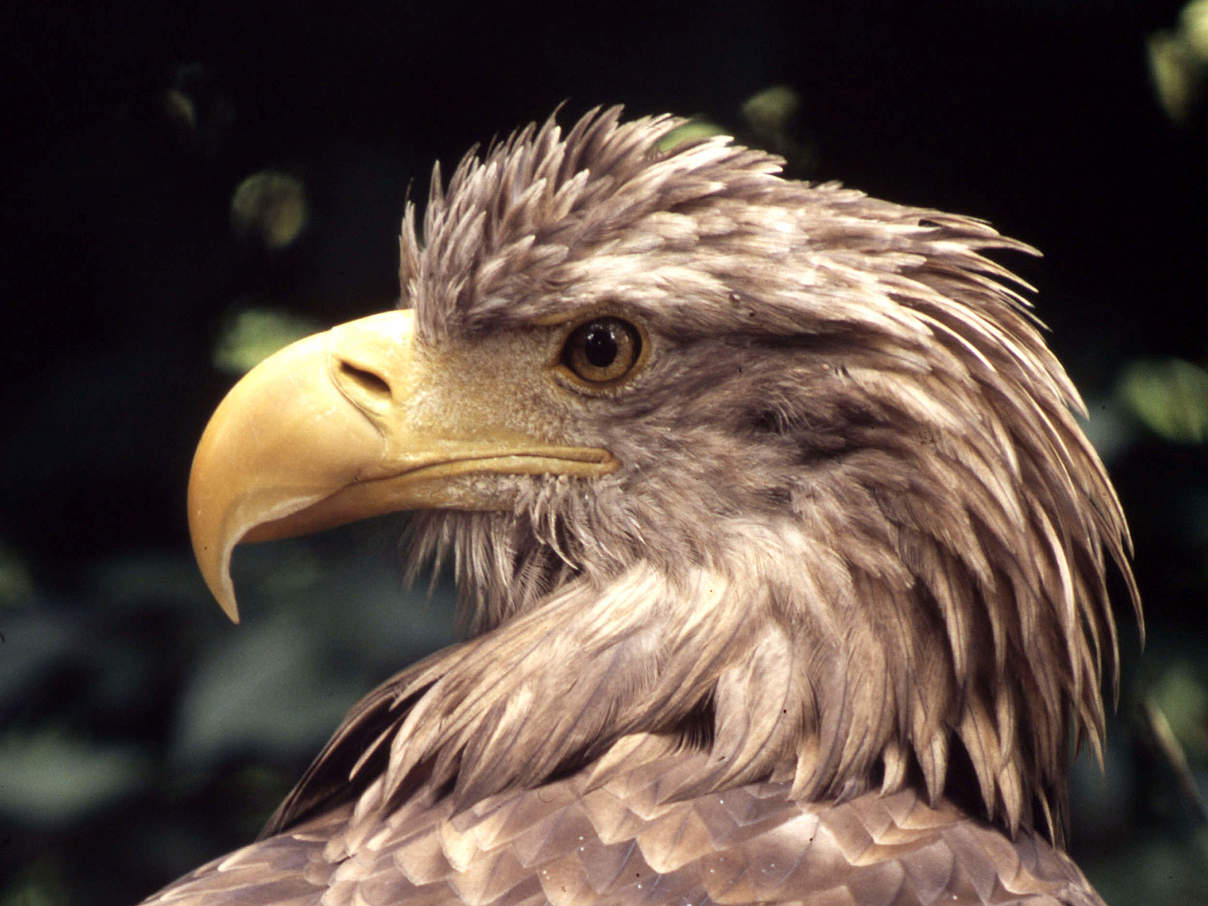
(858, 538)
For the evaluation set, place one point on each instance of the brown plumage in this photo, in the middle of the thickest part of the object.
(824, 635)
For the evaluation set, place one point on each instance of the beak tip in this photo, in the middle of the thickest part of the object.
(225, 596)
(223, 591)
(215, 564)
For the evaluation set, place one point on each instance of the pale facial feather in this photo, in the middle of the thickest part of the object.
(857, 534)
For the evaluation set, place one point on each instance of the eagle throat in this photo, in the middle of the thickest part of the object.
(881, 559)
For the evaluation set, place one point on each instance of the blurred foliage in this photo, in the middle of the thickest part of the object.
(693, 129)
(1178, 63)
(1170, 397)
(52, 777)
(156, 707)
(768, 119)
(269, 208)
(16, 583)
(195, 190)
(773, 121)
(1181, 693)
(254, 334)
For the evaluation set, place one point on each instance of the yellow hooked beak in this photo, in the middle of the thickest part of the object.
(326, 432)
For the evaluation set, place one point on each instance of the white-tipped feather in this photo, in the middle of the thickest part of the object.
(856, 541)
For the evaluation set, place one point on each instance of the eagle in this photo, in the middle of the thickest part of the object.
(783, 556)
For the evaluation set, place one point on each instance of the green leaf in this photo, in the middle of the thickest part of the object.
(1170, 397)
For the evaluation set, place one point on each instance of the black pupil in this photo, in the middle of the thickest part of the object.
(600, 344)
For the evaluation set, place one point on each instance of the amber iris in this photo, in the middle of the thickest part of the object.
(602, 350)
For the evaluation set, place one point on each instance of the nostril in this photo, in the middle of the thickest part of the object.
(366, 380)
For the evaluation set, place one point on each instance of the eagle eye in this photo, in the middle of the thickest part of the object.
(602, 350)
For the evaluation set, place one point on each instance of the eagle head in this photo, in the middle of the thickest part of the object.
(767, 469)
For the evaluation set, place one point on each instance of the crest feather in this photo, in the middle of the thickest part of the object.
(858, 533)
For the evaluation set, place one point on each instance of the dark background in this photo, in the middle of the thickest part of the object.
(139, 733)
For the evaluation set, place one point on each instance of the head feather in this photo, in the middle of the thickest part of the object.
(858, 535)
